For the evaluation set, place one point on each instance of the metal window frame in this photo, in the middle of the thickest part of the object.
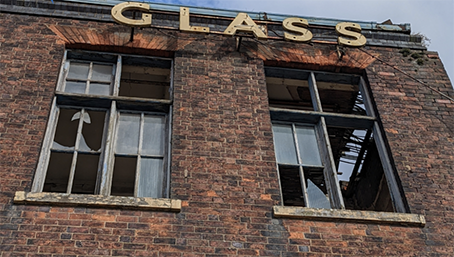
(105, 172)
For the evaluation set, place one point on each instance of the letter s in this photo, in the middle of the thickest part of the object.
(304, 34)
(350, 34)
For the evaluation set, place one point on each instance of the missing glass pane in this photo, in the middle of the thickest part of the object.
(86, 173)
(360, 172)
(291, 187)
(66, 131)
(58, 170)
(145, 82)
(124, 175)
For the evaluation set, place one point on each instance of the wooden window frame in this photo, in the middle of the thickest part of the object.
(113, 105)
(321, 120)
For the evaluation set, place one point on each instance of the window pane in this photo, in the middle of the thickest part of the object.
(78, 70)
(145, 82)
(99, 89)
(92, 131)
(57, 175)
(124, 176)
(153, 135)
(292, 192)
(284, 144)
(75, 87)
(317, 194)
(151, 178)
(66, 131)
(307, 146)
(128, 133)
(86, 173)
(102, 73)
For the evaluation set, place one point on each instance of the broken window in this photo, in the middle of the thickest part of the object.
(101, 139)
(330, 152)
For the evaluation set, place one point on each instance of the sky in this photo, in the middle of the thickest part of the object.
(432, 18)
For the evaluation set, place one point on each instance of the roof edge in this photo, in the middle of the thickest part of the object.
(404, 28)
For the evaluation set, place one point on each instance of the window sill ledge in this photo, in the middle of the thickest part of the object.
(405, 219)
(142, 203)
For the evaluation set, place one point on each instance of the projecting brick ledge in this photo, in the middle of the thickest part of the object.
(143, 203)
(349, 215)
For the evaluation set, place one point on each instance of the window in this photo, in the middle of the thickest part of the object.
(329, 147)
(109, 128)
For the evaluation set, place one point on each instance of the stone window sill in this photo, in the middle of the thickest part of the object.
(405, 219)
(142, 203)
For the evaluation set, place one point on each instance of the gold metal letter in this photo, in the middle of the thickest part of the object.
(184, 22)
(244, 23)
(350, 34)
(117, 14)
(304, 34)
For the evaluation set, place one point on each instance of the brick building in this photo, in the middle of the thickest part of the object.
(203, 132)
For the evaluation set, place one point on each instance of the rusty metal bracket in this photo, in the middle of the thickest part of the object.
(340, 52)
(238, 43)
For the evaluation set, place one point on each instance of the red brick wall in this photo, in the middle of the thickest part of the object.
(222, 158)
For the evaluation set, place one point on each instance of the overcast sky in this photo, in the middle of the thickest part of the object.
(432, 18)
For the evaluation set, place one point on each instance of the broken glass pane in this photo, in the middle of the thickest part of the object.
(124, 176)
(86, 173)
(102, 73)
(153, 135)
(66, 131)
(128, 133)
(57, 175)
(308, 146)
(92, 133)
(78, 71)
(284, 144)
(316, 189)
(75, 87)
(151, 178)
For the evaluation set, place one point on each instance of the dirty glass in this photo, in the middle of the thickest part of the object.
(308, 146)
(78, 71)
(151, 178)
(128, 133)
(284, 144)
(153, 135)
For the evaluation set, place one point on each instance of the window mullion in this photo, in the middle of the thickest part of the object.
(139, 152)
(316, 103)
(300, 168)
(107, 167)
(166, 158)
(90, 73)
(118, 68)
(330, 172)
(75, 152)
